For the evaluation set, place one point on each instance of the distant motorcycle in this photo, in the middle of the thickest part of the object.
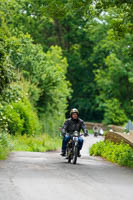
(72, 148)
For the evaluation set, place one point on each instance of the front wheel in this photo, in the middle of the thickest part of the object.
(75, 154)
(69, 159)
(69, 154)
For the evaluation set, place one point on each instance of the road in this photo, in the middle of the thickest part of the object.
(47, 176)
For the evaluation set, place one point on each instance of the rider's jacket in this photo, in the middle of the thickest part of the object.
(72, 125)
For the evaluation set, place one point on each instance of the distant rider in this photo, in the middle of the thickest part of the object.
(73, 124)
(96, 130)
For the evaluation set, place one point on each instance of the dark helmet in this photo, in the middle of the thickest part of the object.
(74, 110)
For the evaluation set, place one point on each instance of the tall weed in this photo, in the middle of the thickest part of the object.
(5, 145)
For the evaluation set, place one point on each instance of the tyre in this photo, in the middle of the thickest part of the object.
(75, 155)
(69, 155)
(69, 159)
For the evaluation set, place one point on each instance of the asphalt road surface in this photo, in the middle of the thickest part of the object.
(48, 176)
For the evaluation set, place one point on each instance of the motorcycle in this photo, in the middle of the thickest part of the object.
(73, 147)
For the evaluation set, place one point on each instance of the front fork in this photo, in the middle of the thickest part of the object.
(74, 146)
(70, 149)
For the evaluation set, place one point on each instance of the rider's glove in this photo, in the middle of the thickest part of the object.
(86, 133)
(63, 133)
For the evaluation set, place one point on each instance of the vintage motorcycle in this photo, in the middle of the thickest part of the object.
(72, 148)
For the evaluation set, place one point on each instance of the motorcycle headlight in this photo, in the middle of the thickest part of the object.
(75, 139)
(75, 134)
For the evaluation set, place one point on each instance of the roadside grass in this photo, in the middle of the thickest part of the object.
(3, 152)
(121, 154)
(41, 143)
(5, 145)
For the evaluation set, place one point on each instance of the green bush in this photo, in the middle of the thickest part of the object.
(117, 153)
(19, 117)
(31, 124)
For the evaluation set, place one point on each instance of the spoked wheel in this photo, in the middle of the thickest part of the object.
(75, 154)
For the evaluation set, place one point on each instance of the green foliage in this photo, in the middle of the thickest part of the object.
(117, 153)
(39, 143)
(7, 74)
(114, 77)
(12, 93)
(113, 113)
(35, 37)
(5, 145)
(122, 14)
(65, 27)
(41, 77)
(45, 73)
(19, 117)
(6, 69)
(51, 122)
(55, 87)
(44, 43)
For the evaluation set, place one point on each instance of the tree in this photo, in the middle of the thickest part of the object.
(114, 74)
(40, 77)
(94, 36)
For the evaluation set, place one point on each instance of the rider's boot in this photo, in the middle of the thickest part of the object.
(79, 154)
(63, 153)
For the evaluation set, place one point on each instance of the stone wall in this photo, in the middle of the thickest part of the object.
(117, 137)
(116, 128)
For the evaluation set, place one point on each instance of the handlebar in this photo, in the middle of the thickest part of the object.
(67, 134)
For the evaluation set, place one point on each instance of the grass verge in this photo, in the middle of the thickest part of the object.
(121, 154)
(40, 143)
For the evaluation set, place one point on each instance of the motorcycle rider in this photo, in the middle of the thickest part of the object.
(74, 123)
